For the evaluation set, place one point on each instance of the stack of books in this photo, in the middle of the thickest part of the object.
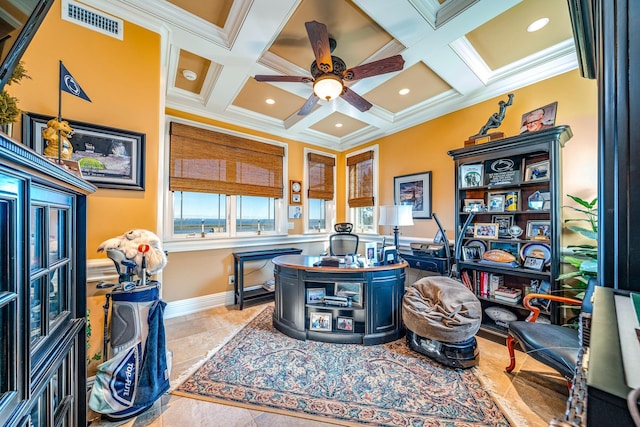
(269, 285)
(510, 295)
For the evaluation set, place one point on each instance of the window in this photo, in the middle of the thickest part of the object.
(361, 174)
(321, 193)
(214, 177)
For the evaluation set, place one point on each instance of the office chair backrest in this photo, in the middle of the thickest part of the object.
(343, 242)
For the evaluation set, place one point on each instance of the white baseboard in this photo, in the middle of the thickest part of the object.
(193, 305)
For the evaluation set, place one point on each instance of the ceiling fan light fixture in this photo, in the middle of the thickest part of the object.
(328, 86)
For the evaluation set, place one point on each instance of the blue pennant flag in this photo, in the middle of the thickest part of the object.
(69, 84)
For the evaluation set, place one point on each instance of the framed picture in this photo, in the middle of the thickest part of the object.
(539, 230)
(474, 205)
(414, 190)
(320, 321)
(108, 157)
(296, 190)
(344, 323)
(370, 253)
(295, 212)
(351, 290)
(533, 263)
(496, 203)
(485, 230)
(540, 118)
(315, 295)
(504, 223)
(537, 171)
(470, 175)
(472, 252)
(510, 247)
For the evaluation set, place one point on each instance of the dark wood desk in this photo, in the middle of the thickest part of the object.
(376, 319)
(239, 258)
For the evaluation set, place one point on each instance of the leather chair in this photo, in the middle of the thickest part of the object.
(343, 242)
(556, 346)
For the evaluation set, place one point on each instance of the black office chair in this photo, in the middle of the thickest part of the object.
(554, 345)
(343, 242)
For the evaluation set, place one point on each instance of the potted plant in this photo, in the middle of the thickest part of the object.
(585, 256)
(9, 110)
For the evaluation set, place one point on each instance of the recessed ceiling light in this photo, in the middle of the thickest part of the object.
(537, 24)
(269, 101)
(404, 91)
(338, 125)
(189, 75)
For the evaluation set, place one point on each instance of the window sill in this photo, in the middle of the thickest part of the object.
(204, 244)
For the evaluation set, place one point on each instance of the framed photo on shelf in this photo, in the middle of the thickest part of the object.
(504, 223)
(107, 157)
(496, 203)
(539, 230)
(471, 175)
(316, 295)
(320, 321)
(344, 323)
(512, 248)
(472, 252)
(485, 230)
(537, 171)
(541, 118)
(414, 190)
(533, 263)
(474, 205)
(351, 290)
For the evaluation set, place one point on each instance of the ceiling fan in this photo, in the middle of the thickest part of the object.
(328, 71)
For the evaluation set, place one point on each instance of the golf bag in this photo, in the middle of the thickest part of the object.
(136, 368)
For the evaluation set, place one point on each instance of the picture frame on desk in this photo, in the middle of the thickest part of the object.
(371, 253)
(320, 321)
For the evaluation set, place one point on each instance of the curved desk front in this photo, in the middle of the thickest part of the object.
(375, 296)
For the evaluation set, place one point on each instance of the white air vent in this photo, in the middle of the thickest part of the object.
(93, 19)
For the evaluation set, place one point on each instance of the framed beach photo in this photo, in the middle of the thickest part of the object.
(108, 157)
(320, 321)
(414, 190)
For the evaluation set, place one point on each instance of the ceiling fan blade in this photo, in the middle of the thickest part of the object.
(319, 38)
(308, 106)
(270, 78)
(356, 100)
(382, 66)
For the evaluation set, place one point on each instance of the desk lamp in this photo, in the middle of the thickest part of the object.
(397, 216)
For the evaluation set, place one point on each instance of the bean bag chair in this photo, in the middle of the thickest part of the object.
(442, 317)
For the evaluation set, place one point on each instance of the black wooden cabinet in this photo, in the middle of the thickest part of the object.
(42, 290)
(512, 181)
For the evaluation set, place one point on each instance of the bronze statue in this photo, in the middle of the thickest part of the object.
(496, 118)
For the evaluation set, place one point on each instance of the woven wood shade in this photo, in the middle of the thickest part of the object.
(206, 161)
(320, 176)
(361, 180)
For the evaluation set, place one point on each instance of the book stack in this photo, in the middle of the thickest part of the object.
(269, 285)
(510, 295)
(495, 281)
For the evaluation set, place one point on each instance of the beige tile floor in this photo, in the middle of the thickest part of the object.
(536, 392)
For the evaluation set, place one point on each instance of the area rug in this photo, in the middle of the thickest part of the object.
(383, 385)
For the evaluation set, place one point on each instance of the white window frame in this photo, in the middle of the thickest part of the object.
(166, 217)
(351, 212)
(330, 205)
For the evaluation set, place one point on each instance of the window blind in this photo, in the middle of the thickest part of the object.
(320, 176)
(360, 180)
(202, 160)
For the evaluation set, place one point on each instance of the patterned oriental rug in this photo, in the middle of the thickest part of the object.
(383, 385)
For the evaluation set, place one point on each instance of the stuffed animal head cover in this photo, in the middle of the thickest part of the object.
(50, 134)
(128, 243)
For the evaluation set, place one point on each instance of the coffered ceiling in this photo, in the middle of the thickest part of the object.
(456, 52)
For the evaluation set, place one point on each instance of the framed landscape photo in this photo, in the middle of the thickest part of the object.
(108, 157)
(414, 190)
(320, 321)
